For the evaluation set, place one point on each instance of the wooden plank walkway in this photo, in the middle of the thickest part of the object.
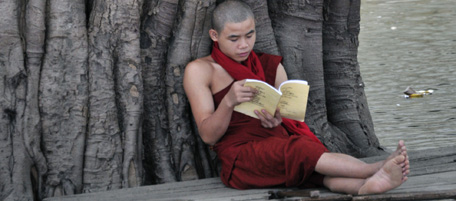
(433, 172)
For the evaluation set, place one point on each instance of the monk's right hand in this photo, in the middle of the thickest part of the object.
(239, 93)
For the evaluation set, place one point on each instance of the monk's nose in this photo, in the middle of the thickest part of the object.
(243, 44)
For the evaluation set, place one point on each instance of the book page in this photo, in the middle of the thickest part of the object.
(266, 98)
(293, 102)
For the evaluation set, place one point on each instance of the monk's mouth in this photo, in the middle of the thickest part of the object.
(244, 54)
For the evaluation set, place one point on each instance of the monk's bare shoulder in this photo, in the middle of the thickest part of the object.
(205, 71)
(201, 65)
(199, 71)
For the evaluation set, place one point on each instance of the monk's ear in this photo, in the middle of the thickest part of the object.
(213, 34)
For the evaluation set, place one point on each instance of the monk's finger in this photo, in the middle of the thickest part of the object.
(244, 96)
(278, 116)
(274, 120)
(241, 84)
(240, 88)
(271, 121)
(244, 88)
(266, 114)
(264, 125)
(252, 90)
(248, 93)
(260, 116)
(264, 122)
(245, 91)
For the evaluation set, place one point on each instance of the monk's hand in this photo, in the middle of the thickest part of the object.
(239, 93)
(267, 120)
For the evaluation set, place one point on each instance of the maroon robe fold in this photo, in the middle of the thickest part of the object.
(253, 156)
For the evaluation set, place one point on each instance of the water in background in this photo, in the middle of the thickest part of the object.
(410, 43)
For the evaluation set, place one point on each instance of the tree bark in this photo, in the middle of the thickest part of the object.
(191, 40)
(16, 147)
(64, 96)
(265, 41)
(303, 58)
(346, 101)
(34, 36)
(156, 30)
(112, 158)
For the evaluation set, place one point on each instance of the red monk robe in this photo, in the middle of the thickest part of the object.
(255, 157)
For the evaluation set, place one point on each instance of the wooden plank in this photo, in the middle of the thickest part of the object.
(432, 170)
(231, 195)
(188, 190)
(200, 193)
(159, 189)
(429, 195)
(436, 160)
(419, 195)
(431, 153)
(305, 194)
(430, 182)
(444, 181)
(341, 197)
(449, 158)
(227, 194)
(439, 168)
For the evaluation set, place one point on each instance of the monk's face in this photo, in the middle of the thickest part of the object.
(236, 40)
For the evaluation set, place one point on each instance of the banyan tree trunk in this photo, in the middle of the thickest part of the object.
(156, 30)
(22, 163)
(63, 96)
(346, 103)
(92, 97)
(319, 41)
(113, 144)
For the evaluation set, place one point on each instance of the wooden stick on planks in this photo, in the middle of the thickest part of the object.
(426, 195)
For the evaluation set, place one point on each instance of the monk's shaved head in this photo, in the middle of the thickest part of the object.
(230, 11)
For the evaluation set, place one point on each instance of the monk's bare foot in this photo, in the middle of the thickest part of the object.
(400, 150)
(390, 176)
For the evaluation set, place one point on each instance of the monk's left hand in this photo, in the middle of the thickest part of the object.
(267, 120)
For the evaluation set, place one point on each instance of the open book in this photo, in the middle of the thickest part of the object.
(291, 98)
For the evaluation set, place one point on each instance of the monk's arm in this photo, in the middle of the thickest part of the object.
(212, 124)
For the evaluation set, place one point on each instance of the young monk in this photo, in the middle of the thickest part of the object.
(269, 151)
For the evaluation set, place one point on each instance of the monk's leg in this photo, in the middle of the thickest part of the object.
(389, 176)
(342, 165)
(343, 184)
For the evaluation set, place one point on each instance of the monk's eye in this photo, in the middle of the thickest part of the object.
(233, 40)
(249, 36)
